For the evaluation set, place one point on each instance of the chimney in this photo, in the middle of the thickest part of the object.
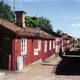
(20, 18)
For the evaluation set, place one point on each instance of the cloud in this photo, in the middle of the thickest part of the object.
(76, 0)
(78, 32)
(76, 25)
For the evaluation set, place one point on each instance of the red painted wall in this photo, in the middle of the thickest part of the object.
(31, 45)
(58, 43)
(50, 51)
(45, 54)
(17, 52)
(35, 46)
(28, 59)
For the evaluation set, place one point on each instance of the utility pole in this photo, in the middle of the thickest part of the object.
(1, 0)
(14, 6)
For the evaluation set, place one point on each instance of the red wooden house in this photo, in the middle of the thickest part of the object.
(25, 45)
(54, 45)
(58, 42)
(67, 41)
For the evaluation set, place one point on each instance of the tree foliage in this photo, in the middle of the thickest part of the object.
(5, 11)
(40, 22)
(59, 31)
(31, 21)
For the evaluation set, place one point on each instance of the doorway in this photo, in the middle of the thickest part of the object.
(5, 50)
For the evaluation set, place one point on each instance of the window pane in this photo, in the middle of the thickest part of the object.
(53, 44)
(49, 45)
(23, 46)
(39, 44)
(45, 46)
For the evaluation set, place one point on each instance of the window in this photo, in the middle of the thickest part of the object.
(53, 44)
(68, 41)
(57, 39)
(45, 46)
(39, 45)
(23, 46)
(56, 49)
(49, 45)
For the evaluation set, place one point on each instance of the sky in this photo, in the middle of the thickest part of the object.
(63, 14)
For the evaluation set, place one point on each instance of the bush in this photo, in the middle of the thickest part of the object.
(78, 46)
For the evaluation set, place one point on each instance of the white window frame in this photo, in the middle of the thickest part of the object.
(36, 51)
(23, 46)
(56, 49)
(53, 44)
(57, 39)
(45, 46)
(68, 41)
(62, 44)
(39, 45)
(49, 45)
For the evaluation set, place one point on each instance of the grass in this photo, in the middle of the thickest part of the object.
(49, 60)
(46, 61)
(78, 46)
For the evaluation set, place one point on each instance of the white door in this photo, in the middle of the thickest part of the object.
(20, 63)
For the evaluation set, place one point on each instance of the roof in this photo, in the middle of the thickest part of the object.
(52, 32)
(66, 36)
(24, 31)
(70, 36)
(56, 34)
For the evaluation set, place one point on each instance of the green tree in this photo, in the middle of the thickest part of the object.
(5, 11)
(59, 31)
(38, 22)
(44, 23)
(31, 21)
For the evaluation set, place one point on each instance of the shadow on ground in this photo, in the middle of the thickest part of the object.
(75, 52)
(69, 65)
(49, 64)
